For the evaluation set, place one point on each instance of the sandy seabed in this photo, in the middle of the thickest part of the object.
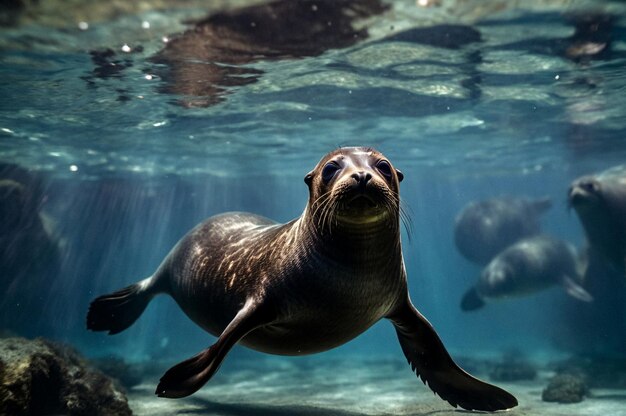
(346, 387)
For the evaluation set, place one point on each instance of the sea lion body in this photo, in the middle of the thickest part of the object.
(215, 268)
(528, 266)
(484, 228)
(301, 287)
(600, 202)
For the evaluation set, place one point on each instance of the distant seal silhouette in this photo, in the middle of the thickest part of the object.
(600, 202)
(302, 287)
(30, 256)
(485, 228)
(528, 266)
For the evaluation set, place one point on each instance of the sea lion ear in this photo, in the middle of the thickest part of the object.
(308, 179)
(400, 175)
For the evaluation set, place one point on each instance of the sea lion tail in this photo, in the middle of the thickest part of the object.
(472, 300)
(119, 310)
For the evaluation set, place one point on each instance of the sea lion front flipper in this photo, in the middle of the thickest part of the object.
(432, 363)
(187, 377)
(574, 289)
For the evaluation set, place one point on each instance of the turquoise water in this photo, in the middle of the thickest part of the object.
(137, 123)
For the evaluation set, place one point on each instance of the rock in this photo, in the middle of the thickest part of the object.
(565, 388)
(38, 377)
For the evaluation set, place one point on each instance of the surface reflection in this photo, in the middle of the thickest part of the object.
(204, 62)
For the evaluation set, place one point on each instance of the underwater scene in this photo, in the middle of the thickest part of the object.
(374, 207)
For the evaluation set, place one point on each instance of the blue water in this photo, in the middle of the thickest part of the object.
(470, 102)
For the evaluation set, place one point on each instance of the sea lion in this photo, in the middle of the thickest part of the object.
(302, 287)
(485, 228)
(528, 266)
(600, 202)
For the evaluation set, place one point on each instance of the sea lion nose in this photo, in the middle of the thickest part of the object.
(361, 179)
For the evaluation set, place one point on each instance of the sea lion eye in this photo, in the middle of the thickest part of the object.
(385, 168)
(329, 171)
(589, 186)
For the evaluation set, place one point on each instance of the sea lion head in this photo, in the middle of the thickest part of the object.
(585, 195)
(354, 186)
(496, 279)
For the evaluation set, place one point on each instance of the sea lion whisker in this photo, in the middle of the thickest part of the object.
(329, 215)
(322, 217)
(318, 212)
(407, 220)
(319, 202)
(396, 207)
(324, 199)
(324, 207)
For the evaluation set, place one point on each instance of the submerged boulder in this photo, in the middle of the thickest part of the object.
(565, 388)
(39, 377)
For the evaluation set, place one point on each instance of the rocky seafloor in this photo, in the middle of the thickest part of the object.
(41, 377)
(339, 386)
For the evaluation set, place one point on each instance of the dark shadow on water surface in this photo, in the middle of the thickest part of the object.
(205, 62)
(202, 65)
(592, 37)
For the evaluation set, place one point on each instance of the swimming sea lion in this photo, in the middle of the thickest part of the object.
(600, 202)
(485, 228)
(302, 287)
(526, 267)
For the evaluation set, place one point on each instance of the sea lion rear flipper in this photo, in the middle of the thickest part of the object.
(119, 310)
(574, 289)
(432, 363)
(189, 376)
